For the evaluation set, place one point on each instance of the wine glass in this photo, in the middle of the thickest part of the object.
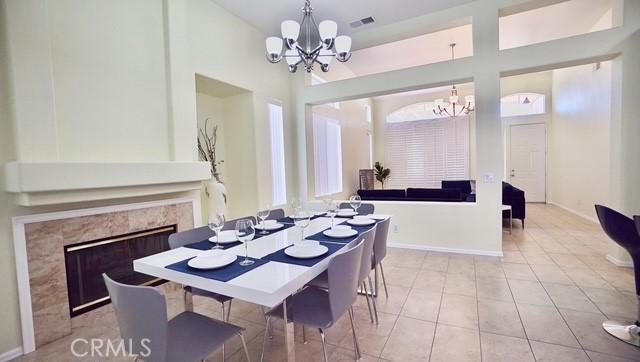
(296, 206)
(301, 219)
(216, 222)
(355, 202)
(332, 210)
(262, 215)
(245, 231)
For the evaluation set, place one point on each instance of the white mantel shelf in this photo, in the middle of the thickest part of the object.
(48, 183)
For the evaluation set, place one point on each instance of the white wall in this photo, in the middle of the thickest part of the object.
(579, 138)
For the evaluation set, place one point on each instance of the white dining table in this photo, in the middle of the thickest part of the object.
(268, 285)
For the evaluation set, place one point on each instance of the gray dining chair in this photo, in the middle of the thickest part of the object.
(380, 251)
(364, 209)
(276, 214)
(322, 308)
(142, 319)
(322, 280)
(183, 238)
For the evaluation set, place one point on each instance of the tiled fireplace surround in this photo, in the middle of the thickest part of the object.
(43, 238)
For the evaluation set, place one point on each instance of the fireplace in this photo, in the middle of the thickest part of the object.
(114, 255)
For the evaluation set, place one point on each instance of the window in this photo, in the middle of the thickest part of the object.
(370, 137)
(522, 104)
(425, 152)
(414, 112)
(315, 80)
(278, 175)
(327, 147)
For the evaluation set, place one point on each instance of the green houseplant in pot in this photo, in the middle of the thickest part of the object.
(381, 173)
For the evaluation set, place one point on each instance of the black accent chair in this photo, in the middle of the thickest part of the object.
(515, 197)
(622, 230)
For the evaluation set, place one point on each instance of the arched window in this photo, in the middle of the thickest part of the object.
(522, 104)
(413, 112)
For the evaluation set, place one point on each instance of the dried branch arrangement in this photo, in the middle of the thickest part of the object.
(207, 148)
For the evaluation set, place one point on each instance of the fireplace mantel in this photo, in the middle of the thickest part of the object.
(48, 183)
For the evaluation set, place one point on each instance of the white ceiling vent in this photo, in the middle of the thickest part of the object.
(361, 22)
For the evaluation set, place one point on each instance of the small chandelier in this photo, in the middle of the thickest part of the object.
(453, 108)
(305, 51)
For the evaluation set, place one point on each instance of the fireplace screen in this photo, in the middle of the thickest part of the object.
(87, 261)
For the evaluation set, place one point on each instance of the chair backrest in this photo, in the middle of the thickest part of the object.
(276, 214)
(380, 245)
(231, 224)
(186, 237)
(343, 272)
(369, 237)
(142, 318)
(620, 228)
(364, 209)
(636, 218)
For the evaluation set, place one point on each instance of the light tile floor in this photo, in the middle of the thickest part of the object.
(543, 301)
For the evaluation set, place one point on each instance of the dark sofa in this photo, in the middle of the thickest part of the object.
(451, 191)
(412, 194)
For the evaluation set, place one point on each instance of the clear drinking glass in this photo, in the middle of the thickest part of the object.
(332, 210)
(216, 222)
(245, 231)
(355, 202)
(296, 206)
(263, 215)
(301, 220)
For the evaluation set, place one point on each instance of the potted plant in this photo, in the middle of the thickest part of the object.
(215, 191)
(381, 173)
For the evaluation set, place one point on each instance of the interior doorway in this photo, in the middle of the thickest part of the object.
(528, 154)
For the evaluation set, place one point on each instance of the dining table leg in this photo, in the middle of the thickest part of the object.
(289, 334)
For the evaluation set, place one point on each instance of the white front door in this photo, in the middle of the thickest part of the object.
(528, 156)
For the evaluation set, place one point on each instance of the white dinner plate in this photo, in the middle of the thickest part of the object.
(376, 216)
(269, 226)
(208, 261)
(226, 237)
(346, 213)
(361, 221)
(304, 252)
(340, 233)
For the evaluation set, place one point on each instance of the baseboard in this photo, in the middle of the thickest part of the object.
(592, 219)
(11, 354)
(618, 262)
(444, 250)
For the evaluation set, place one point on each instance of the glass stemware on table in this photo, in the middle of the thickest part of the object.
(301, 219)
(355, 201)
(216, 222)
(245, 231)
(332, 209)
(263, 214)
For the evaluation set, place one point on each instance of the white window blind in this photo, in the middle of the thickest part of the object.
(278, 174)
(327, 147)
(423, 153)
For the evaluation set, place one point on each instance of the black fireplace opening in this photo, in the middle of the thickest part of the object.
(85, 263)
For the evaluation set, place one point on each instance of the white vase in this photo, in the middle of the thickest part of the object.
(215, 196)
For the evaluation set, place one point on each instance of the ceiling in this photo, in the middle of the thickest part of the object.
(267, 15)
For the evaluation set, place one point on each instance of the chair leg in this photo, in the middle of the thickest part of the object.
(373, 301)
(356, 346)
(366, 295)
(384, 281)
(324, 347)
(264, 339)
(244, 345)
(188, 301)
(228, 311)
(304, 335)
(223, 351)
